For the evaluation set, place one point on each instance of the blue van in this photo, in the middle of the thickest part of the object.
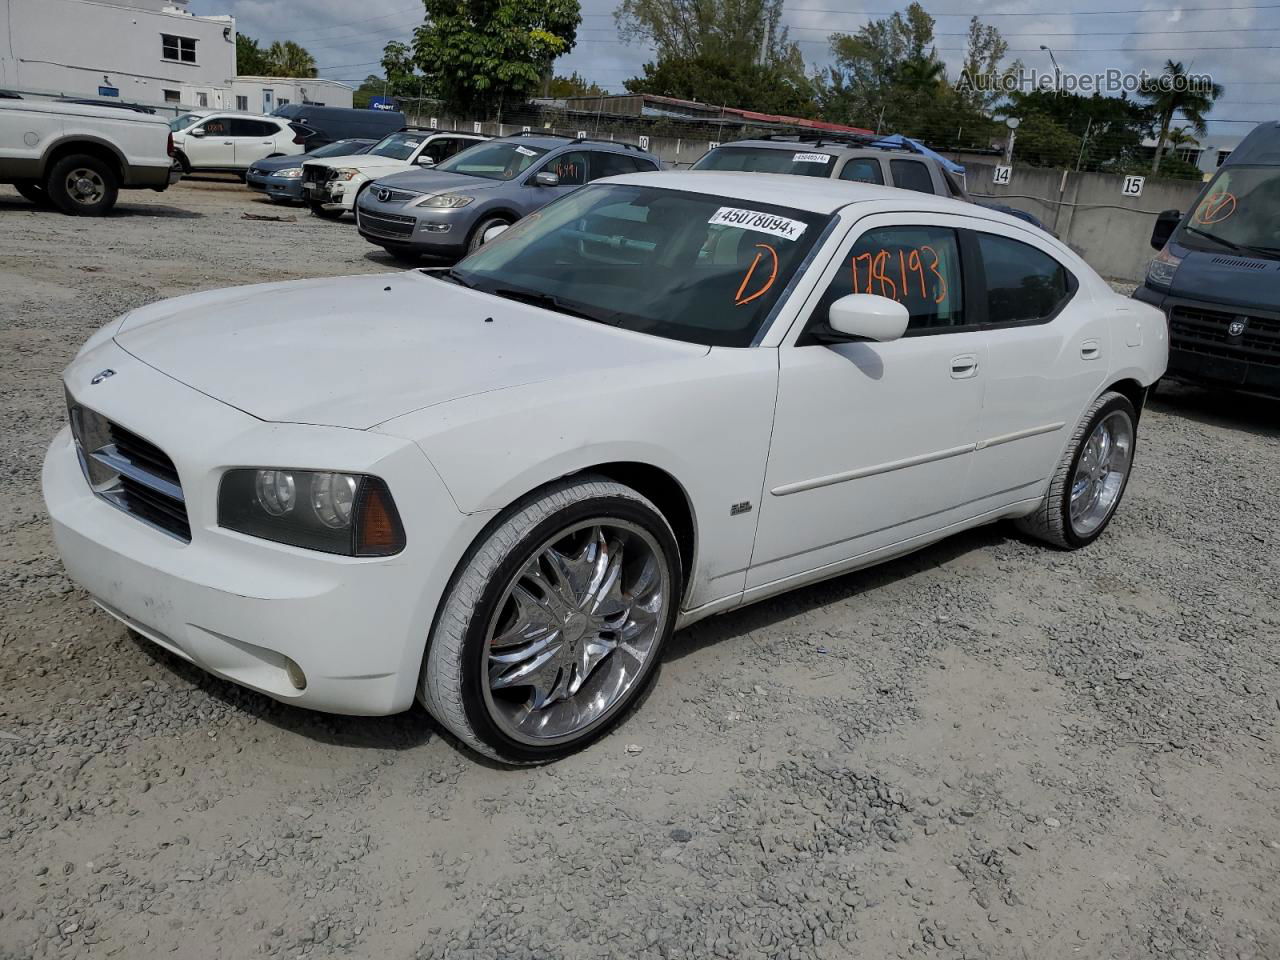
(1217, 276)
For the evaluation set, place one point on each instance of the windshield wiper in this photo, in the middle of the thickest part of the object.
(1230, 245)
(450, 276)
(546, 301)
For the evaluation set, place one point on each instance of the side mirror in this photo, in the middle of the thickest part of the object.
(494, 232)
(865, 316)
(197, 132)
(425, 161)
(1166, 223)
(545, 179)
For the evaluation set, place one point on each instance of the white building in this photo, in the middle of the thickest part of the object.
(148, 51)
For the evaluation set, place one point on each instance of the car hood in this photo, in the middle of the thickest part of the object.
(358, 351)
(432, 181)
(1227, 278)
(362, 162)
(275, 164)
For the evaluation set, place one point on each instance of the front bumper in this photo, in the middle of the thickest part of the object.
(278, 188)
(431, 231)
(332, 194)
(238, 606)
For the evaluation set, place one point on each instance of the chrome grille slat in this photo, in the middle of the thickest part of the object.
(130, 473)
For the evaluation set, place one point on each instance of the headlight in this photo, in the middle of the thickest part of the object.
(345, 174)
(346, 513)
(293, 173)
(449, 200)
(1162, 268)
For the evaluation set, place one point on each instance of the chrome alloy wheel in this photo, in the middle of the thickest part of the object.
(86, 186)
(575, 630)
(1101, 473)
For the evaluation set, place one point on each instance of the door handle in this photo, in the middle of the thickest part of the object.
(1090, 350)
(964, 366)
(228, 143)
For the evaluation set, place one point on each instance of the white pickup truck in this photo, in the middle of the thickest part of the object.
(78, 156)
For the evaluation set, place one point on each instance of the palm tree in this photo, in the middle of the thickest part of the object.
(1176, 91)
(1180, 138)
(289, 59)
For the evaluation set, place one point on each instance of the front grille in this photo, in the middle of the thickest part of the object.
(316, 174)
(130, 473)
(1208, 332)
(394, 196)
(387, 224)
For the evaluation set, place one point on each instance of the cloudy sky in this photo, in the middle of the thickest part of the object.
(1234, 40)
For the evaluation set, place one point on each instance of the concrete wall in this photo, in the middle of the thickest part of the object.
(1088, 212)
(77, 46)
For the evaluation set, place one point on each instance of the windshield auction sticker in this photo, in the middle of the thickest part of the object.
(526, 151)
(783, 227)
(811, 158)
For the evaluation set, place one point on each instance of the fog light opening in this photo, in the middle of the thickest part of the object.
(296, 676)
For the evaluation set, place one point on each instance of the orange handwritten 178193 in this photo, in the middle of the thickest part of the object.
(910, 266)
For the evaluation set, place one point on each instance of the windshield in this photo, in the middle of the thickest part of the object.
(686, 266)
(398, 146)
(799, 160)
(1241, 209)
(493, 161)
(184, 121)
(343, 148)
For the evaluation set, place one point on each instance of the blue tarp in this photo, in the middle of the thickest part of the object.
(898, 141)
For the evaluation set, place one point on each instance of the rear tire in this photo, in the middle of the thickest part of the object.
(553, 624)
(318, 210)
(1090, 479)
(83, 186)
(33, 191)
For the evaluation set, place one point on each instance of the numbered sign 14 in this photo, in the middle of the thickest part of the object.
(1002, 176)
(1133, 186)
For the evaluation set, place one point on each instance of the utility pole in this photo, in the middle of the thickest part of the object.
(1084, 140)
(880, 121)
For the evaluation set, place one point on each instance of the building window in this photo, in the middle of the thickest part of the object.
(202, 99)
(172, 96)
(1222, 156)
(242, 103)
(179, 49)
(282, 102)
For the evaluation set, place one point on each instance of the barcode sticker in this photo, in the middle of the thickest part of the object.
(811, 158)
(783, 227)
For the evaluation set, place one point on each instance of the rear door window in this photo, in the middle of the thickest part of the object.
(862, 170)
(1024, 284)
(911, 175)
(611, 165)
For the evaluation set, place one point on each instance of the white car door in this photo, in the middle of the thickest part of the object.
(210, 144)
(254, 140)
(1048, 351)
(873, 442)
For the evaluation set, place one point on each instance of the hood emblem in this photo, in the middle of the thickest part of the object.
(1238, 327)
(384, 194)
(102, 375)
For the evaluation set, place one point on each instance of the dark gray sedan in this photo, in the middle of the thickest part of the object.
(446, 211)
(280, 178)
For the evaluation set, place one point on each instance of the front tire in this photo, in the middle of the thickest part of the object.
(83, 186)
(1090, 480)
(477, 235)
(554, 622)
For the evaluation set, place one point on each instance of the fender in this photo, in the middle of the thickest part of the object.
(72, 138)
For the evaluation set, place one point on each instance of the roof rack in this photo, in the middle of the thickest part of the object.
(834, 137)
(565, 136)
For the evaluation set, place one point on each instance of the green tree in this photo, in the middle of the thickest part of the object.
(480, 55)
(400, 69)
(1112, 128)
(982, 73)
(1043, 142)
(251, 59)
(1176, 91)
(289, 59)
(572, 86)
(732, 52)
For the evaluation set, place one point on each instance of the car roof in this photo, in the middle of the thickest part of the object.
(812, 194)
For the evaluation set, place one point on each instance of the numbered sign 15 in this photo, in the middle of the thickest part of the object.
(1002, 175)
(1133, 186)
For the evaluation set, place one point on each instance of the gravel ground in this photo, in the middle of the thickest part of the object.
(988, 749)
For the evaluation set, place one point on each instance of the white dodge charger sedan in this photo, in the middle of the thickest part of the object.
(500, 488)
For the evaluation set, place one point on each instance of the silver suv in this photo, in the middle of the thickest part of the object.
(891, 161)
(446, 211)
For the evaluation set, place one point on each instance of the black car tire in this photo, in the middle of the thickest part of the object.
(319, 210)
(477, 235)
(94, 202)
(33, 191)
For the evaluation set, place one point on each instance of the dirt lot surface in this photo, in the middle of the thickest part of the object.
(988, 749)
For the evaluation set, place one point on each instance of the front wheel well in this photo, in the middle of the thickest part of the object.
(666, 493)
